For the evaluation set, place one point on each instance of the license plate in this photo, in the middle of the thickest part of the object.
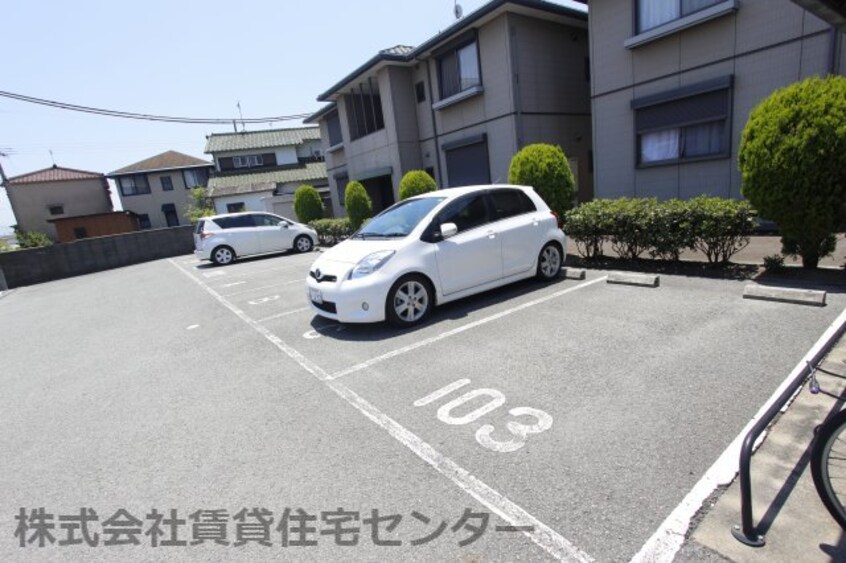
(315, 295)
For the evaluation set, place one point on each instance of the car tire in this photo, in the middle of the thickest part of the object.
(549, 262)
(410, 300)
(303, 244)
(223, 255)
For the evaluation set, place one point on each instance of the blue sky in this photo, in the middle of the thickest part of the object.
(184, 58)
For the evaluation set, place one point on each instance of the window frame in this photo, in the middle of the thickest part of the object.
(722, 84)
(169, 186)
(680, 3)
(247, 161)
(58, 209)
(134, 185)
(453, 51)
(194, 172)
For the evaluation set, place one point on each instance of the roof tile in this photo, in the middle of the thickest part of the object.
(224, 142)
(163, 161)
(265, 181)
(53, 174)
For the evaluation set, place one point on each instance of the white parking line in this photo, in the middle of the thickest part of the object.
(453, 332)
(289, 282)
(285, 314)
(548, 539)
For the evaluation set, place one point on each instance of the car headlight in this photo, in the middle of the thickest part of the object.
(371, 263)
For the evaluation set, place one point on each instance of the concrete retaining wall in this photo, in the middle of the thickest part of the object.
(36, 265)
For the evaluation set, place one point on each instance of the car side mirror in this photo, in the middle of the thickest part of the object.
(448, 230)
(283, 225)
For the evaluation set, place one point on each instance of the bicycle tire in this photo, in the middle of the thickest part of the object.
(828, 463)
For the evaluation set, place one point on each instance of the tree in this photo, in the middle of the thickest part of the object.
(199, 205)
(545, 168)
(793, 162)
(416, 182)
(307, 204)
(358, 204)
(32, 239)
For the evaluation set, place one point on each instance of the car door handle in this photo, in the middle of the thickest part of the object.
(491, 234)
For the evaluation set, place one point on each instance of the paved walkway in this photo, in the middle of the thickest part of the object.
(786, 509)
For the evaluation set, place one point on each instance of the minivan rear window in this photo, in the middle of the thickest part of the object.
(198, 228)
(235, 222)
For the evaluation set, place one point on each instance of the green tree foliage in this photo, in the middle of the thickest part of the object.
(416, 182)
(793, 161)
(358, 204)
(545, 168)
(307, 204)
(199, 205)
(32, 239)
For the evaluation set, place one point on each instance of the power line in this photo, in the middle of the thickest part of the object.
(145, 116)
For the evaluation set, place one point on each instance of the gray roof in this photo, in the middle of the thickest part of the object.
(164, 161)
(405, 54)
(315, 117)
(263, 181)
(246, 140)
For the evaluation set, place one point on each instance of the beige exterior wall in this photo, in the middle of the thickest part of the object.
(764, 44)
(30, 202)
(151, 204)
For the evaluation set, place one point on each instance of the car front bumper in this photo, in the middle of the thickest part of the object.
(350, 301)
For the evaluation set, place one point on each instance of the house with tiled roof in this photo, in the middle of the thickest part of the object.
(462, 103)
(158, 189)
(54, 193)
(260, 170)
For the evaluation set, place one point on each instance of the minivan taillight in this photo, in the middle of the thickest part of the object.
(557, 218)
(205, 235)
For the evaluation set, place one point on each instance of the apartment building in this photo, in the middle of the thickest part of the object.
(463, 103)
(674, 81)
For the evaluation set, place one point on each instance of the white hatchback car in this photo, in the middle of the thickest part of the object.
(435, 248)
(223, 238)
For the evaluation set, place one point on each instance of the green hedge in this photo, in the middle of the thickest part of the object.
(307, 204)
(717, 227)
(332, 231)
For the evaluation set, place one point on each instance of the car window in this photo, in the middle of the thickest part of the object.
(200, 226)
(236, 221)
(508, 203)
(466, 213)
(400, 219)
(267, 220)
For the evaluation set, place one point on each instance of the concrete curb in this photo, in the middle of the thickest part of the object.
(811, 297)
(574, 273)
(641, 280)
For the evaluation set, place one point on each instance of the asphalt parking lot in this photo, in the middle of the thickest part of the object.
(538, 421)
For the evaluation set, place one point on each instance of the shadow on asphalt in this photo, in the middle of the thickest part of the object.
(247, 259)
(454, 310)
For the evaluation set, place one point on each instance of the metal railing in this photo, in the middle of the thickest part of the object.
(747, 533)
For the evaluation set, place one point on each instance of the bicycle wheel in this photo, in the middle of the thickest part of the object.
(828, 466)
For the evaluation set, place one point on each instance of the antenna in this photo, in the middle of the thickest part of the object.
(52, 157)
(243, 127)
(457, 10)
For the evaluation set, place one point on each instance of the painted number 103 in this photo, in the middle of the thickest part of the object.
(528, 421)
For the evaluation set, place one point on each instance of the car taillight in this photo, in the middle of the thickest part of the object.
(205, 235)
(557, 218)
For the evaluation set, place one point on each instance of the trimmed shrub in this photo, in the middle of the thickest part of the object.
(545, 168)
(588, 225)
(774, 263)
(416, 182)
(793, 160)
(307, 204)
(332, 231)
(32, 239)
(722, 226)
(630, 225)
(670, 229)
(358, 204)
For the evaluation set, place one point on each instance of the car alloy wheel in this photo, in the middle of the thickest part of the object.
(549, 262)
(303, 244)
(409, 301)
(223, 255)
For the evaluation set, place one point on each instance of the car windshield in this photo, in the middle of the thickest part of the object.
(400, 219)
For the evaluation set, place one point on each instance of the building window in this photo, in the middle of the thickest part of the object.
(195, 177)
(652, 13)
(691, 123)
(341, 182)
(171, 218)
(236, 207)
(80, 232)
(144, 221)
(364, 110)
(467, 161)
(458, 70)
(167, 183)
(56, 209)
(134, 185)
(420, 89)
(249, 161)
(333, 124)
